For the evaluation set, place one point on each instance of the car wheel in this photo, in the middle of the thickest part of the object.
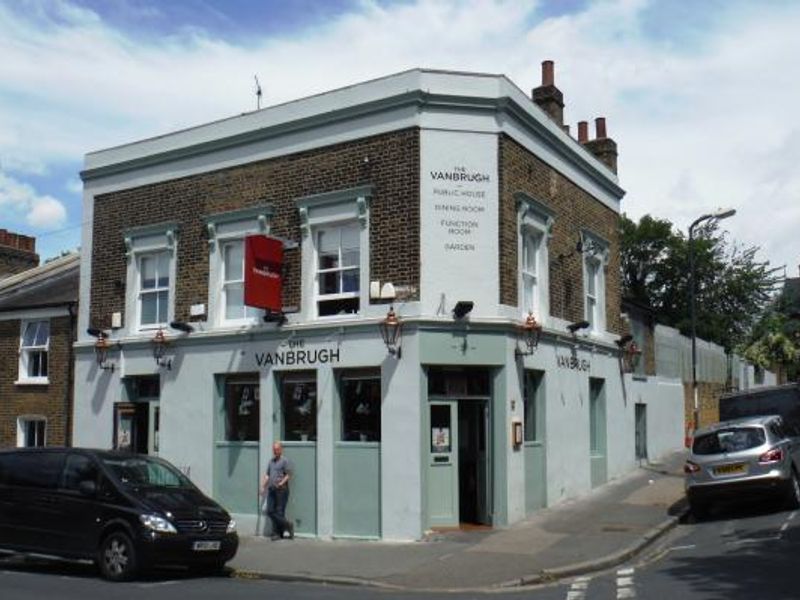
(699, 510)
(793, 499)
(117, 560)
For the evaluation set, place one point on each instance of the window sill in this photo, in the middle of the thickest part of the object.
(42, 381)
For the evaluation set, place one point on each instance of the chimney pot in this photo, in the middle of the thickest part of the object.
(600, 128)
(548, 73)
(583, 131)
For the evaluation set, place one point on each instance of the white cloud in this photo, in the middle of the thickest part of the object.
(699, 123)
(39, 211)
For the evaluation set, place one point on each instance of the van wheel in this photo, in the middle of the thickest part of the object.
(793, 499)
(117, 560)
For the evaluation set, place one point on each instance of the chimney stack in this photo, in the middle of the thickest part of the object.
(547, 96)
(17, 253)
(603, 147)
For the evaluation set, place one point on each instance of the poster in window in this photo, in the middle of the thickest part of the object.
(125, 431)
(440, 439)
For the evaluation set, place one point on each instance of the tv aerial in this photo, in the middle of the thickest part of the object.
(258, 93)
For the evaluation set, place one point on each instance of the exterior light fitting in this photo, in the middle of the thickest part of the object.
(101, 347)
(631, 356)
(159, 342)
(392, 332)
(528, 333)
(462, 308)
(181, 326)
(573, 327)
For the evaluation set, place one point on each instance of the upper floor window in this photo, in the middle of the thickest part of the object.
(335, 252)
(535, 223)
(149, 303)
(33, 351)
(226, 237)
(153, 289)
(338, 269)
(595, 257)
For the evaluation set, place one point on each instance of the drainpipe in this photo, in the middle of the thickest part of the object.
(71, 308)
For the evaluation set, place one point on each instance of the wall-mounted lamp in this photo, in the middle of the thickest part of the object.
(391, 329)
(181, 326)
(528, 333)
(631, 354)
(625, 339)
(159, 342)
(101, 347)
(573, 327)
(462, 308)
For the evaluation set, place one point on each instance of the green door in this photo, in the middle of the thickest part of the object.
(442, 481)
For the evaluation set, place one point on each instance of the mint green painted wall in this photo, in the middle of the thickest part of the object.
(236, 477)
(535, 477)
(461, 346)
(357, 489)
(500, 444)
(598, 428)
(302, 505)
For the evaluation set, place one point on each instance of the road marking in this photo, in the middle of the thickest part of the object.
(577, 591)
(625, 587)
(626, 572)
(686, 547)
(784, 527)
(624, 581)
(158, 584)
(770, 538)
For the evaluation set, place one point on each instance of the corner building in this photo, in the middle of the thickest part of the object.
(458, 190)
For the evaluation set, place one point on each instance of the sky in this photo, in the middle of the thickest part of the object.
(701, 96)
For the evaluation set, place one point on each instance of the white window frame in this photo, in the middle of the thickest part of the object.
(22, 421)
(143, 242)
(223, 229)
(330, 211)
(535, 222)
(595, 260)
(26, 351)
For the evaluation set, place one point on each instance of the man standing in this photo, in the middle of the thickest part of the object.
(276, 486)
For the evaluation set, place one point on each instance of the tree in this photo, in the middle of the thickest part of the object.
(732, 288)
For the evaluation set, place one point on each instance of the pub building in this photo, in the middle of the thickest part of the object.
(412, 282)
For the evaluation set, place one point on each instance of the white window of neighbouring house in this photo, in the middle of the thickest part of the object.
(154, 276)
(595, 257)
(226, 237)
(535, 222)
(335, 253)
(31, 432)
(338, 250)
(150, 299)
(33, 351)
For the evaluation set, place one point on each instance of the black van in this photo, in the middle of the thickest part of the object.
(124, 511)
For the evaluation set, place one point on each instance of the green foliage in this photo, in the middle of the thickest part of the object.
(732, 288)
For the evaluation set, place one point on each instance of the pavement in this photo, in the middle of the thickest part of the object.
(599, 530)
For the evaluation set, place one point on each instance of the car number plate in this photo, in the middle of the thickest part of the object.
(206, 546)
(736, 469)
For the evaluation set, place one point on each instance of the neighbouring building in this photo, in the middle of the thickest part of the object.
(450, 204)
(38, 319)
(17, 253)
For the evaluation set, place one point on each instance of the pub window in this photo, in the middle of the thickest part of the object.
(360, 395)
(241, 409)
(299, 407)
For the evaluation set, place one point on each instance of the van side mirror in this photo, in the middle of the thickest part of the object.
(87, 488)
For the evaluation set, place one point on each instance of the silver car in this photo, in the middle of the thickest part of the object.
(754, 456)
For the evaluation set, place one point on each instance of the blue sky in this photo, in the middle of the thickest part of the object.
(700, 96)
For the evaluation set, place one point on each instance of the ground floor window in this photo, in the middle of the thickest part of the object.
(31, 432)
(241, 408)
(298, 393)
(360, 394)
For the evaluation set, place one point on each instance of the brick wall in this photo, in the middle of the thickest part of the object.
(392, 168)
(707, 401)
(17, 253)
(574, 209)
(44, 400)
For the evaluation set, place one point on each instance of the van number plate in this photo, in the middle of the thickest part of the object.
(206, 546)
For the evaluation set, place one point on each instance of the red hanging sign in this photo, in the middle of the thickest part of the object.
(263, 264)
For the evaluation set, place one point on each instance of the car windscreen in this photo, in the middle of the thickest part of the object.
(140, 471)
(730, 439)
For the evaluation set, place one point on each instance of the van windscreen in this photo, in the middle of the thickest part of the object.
(140, 471)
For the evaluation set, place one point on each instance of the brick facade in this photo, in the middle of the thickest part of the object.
(41, 400)
(17, 253)
(389, 162)
(574, 209)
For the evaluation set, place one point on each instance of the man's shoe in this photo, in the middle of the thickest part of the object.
(291, 530)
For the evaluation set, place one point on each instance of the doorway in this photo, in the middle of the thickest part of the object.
(641, 431)
(137, 422)
(459, 474)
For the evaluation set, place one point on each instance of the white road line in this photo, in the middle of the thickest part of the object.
(625, 587)
(576, 595)
(577, 591)
(626, 572)
(624, 581)
(771, 538)
(728, 528)
(784, 527)
(579, 585)
(686, 547)
(624, 593)
(158, 584)
(791, 516)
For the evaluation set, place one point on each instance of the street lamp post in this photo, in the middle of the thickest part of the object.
(720, 214)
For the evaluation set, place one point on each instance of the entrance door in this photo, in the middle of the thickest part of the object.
(473, 466)
(641, 431)
(443, 470)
